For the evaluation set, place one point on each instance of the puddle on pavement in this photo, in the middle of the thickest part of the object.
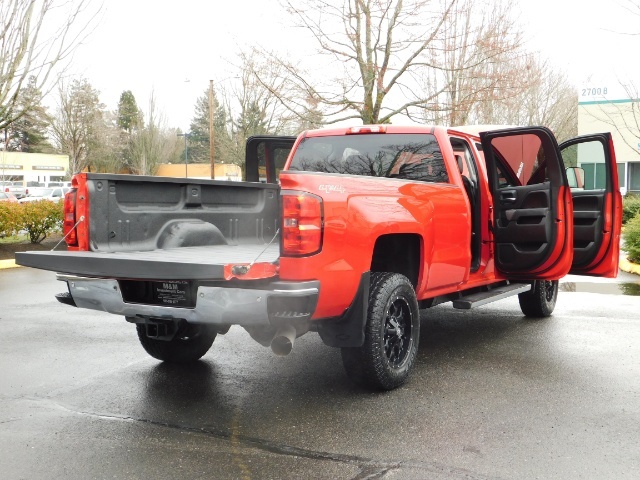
(627, 288)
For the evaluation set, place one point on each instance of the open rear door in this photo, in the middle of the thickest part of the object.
(590, 162)
(531, 220)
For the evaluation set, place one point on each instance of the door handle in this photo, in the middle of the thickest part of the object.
(508, 196)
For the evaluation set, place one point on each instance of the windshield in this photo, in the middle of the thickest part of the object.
(409, 156)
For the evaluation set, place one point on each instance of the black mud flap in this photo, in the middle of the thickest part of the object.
(348, 330)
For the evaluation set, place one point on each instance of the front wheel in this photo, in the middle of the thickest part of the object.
(391, 335)
(189, 344)
(540, 301)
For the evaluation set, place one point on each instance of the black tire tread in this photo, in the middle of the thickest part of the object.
(365, 365)
(178, 350)
(534, 303)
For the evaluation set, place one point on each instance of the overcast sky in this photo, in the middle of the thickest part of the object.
(174, 48)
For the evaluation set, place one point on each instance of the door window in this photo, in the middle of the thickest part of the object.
(520, 160)
(585, 164)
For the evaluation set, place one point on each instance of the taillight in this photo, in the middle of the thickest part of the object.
(70, 232)
(301, 224)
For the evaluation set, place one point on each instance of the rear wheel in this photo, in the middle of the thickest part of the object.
(540, 301)
(190, 343)
(391, 338)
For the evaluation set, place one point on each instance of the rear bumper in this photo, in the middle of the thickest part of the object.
(279, 302)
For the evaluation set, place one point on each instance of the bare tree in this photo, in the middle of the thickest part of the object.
(479, 53)
(106, 155)
(549, 99)
(78, 123)
(152, 144)
(252, 105)
(36, 37)
(378, 47)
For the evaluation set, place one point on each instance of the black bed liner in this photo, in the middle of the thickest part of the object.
(184, 263)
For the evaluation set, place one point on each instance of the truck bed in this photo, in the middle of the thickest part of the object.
(183, 263)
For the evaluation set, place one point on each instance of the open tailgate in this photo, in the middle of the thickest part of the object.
(184, 263)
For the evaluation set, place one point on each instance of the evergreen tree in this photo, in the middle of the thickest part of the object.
(129, 121)
(199, 139)
(129, 115)
(29, 132)
(253, 120)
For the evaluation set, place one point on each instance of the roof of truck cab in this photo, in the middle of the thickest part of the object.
(474, 130)
(326, 132)
(469, 130)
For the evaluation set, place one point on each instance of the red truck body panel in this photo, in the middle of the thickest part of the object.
(358, 211)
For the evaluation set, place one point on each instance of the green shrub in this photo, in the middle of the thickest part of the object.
(9, 218)
(630, 207)
(40, 219)
(631, 238)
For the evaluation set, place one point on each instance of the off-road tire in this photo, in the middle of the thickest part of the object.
(391, 335)
(540, 301)
(189, 344)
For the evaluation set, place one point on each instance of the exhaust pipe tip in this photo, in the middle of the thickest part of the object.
(282, 342)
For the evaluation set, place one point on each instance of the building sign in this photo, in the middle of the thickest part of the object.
(46, 167)
(10, 167)
(606, 91)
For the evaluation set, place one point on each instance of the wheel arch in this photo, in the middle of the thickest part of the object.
(398, 253)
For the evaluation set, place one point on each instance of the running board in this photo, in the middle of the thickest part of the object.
(498, 293)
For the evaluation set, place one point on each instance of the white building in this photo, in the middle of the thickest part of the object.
(33, 167)
(604, 108)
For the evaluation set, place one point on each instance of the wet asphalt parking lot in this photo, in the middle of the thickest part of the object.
(493, 395)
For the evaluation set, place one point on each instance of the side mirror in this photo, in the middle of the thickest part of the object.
(575, 176)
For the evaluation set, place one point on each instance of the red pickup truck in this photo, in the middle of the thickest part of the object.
(354, 231)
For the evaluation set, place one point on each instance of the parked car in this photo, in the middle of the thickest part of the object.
(53, 194)
(8, 197)
(56, 184)
(14, 187)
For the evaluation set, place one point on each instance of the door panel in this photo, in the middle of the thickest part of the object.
(531, 228)
(522, 229)
(265, 156)
(597, 204)
(587, 226)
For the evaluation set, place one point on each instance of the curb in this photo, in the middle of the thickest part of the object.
(8, 264)
(627, 266)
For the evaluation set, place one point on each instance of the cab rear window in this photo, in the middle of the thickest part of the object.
(408, 156)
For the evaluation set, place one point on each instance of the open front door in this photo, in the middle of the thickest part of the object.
(531, 220)
(590, 162)
(265, 156)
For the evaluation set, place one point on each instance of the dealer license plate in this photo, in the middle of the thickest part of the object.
(173, 293)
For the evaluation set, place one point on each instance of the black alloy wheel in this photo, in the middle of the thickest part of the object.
(397, 332)
(391, 335)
